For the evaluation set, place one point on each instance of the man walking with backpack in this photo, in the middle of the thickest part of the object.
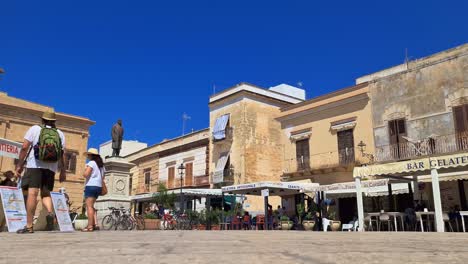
(42, 152)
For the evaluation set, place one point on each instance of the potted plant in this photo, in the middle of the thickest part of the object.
(193, 217)
(286, 224)
(334, 224)
(151, 222)
(308, 222)
(300, 212)
(202, 220)
(214, 216)
(81, 222)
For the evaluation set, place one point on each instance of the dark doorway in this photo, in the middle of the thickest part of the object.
(346, 146)
(347, 209)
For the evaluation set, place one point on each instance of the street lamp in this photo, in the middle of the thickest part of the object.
(181, 169)
(362, 148)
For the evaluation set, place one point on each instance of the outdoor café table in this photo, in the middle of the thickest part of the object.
(420, 214)
(463, 214)
(376, 215)
(395, 215)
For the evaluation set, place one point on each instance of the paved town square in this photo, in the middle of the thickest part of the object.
(233, 247)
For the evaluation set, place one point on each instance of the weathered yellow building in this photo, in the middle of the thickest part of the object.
(17, 116)
(324, 139)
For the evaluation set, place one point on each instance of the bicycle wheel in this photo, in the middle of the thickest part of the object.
(107, 222)
(140, 223)
(122, 223)
(131, 223)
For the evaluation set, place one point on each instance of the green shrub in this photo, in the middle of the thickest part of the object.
(81, 217)
(150, 216)
(284, 218)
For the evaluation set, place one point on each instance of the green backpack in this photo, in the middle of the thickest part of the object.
(49, 146)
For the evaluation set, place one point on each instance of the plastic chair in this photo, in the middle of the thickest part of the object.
(370, 220)
(446, 219)
(260, 221)
(325, 224)
(350, 227)
(236, 224)
(385, 218)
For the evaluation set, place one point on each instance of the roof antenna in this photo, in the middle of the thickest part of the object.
(299, 84)
(214, 88)
(406, 58)
(185, 117)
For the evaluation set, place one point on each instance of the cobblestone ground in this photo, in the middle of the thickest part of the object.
(233, 247)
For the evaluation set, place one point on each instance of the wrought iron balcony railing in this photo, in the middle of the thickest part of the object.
(434, 145)
(328, 160)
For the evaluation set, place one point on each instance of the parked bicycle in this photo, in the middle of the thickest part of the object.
(117, 219)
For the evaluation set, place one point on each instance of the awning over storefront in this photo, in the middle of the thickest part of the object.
(397, 188)
(9, 148)
(416, 165)
(187, 192)
(218, 175)
(219, 130)
(275, 188)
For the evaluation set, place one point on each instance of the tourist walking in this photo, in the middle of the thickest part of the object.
(42, 151)
(94, 175)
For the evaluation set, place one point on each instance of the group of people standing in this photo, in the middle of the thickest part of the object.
(41, 156)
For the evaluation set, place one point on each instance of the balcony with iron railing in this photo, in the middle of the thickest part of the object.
(431, 146)
(342, 160)
(229, 135)
(229, 177)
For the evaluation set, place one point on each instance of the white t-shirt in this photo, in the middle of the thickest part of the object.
(95, 179)
(33, 136)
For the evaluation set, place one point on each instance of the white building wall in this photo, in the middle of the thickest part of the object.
(196, 156)
(128, 147)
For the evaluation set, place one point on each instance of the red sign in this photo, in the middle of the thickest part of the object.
(9, 148)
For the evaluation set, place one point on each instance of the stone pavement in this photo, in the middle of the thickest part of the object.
(233, 247)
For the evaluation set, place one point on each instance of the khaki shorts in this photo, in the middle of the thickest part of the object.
(42, 179)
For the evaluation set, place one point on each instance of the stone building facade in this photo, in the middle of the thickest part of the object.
(251, 148)
(17, 116)
(420, 109)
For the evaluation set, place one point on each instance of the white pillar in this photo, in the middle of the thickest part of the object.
(416, 195)
(360, 204)
(437, 202)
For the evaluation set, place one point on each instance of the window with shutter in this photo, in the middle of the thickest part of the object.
(188, 174)
(170, 177)
(302, 154)
(460, 117)
(345, 146)
(397, 130)
(147, 174)
(70, 161)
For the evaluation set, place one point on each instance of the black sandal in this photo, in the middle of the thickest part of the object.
(25, 230)
(96, 228)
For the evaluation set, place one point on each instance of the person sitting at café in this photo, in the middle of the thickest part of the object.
(246, 221)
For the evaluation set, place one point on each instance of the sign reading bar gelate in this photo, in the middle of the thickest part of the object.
(449, 161)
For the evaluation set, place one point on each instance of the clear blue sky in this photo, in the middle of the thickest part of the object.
(147, 62)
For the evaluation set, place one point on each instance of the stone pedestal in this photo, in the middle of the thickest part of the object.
(117, 178)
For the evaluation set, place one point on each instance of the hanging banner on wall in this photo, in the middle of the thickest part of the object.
(61, 212)
(14, 211)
